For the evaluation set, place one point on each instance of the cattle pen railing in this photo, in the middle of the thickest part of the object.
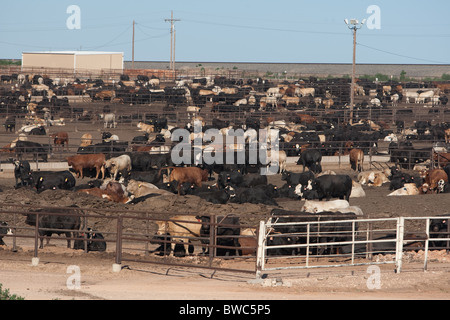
(131, 235)
(324, 244)
(355, 242)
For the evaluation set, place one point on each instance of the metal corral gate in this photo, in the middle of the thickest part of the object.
(131, 235)
(315, 244)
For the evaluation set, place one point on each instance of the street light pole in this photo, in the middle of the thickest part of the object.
(353, 25)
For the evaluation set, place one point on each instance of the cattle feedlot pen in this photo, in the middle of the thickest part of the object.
(358, 246)
(399, 240)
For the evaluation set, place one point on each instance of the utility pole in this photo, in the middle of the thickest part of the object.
(172, 40)
(132, 49)
(353, 25)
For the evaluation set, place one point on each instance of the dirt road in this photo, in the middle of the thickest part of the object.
(56, 278)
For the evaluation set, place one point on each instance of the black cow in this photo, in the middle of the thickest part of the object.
(10, 124)
(215, 196)
(400, 124)
(143, 161)
(439, 228)
(37, 149)
(291, 233)
(333, 186)
(227, 231)
(233, 178)
(94, 241)
(422, 126)
(398, 180)
(311, 159)
(250, 195)
(61, 220)
(219, 124)
(140, 139)
(165, 246)
(39, 131)
(110, 149)
(51, 180)
(151, 176)
(22, 173)
(4, 230)
(270, 190)
(253, 179)
(294, 179)
(253, 123)
(287, 191)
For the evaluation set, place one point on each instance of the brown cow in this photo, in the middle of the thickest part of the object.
(357, 159)
(87, 161)
(432, 178)
(441, 159)
(181, 228)
(105, 95)
(306, 118)
(60, 139)
(447, 135)
(191, 175)
(86, 140)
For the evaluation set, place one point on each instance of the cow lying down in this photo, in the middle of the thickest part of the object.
(408, 189)
(373, 178)
(313, 206)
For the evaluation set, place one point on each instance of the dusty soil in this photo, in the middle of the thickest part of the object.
(48, 280)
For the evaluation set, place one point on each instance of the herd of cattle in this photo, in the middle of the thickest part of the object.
(226, 95)
(134, 177)
(126, 172)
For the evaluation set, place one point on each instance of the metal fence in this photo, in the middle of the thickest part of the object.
(326, 244)
(132, 235)
(322, 243)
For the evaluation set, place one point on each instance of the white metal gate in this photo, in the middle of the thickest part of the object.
(359, 239)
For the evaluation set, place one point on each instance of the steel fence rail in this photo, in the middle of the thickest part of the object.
(400, 241)
(134, 231)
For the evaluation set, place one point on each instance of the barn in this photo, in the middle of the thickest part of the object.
(73, 61)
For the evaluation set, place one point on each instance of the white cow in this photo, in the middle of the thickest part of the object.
(357, 190)
(424, 95)
(304, 92)
(118, 164)
(315, 206)
(149, 128)
(279, 159)
(410, 94)
(407, 190)
(375, 102)
(273, 92)
(109, 120)
(394, 99)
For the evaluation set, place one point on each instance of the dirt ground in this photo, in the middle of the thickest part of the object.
(138, 281)
(52, 279)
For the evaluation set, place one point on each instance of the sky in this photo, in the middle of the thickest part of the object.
(398, 32)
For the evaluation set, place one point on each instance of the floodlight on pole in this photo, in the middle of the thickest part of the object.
(353, 24)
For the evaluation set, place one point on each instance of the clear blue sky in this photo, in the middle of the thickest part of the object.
(233, 31)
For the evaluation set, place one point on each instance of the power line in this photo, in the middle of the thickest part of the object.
(114, 39)
(401, 55)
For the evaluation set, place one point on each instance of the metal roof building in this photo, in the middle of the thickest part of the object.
(73, 61)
